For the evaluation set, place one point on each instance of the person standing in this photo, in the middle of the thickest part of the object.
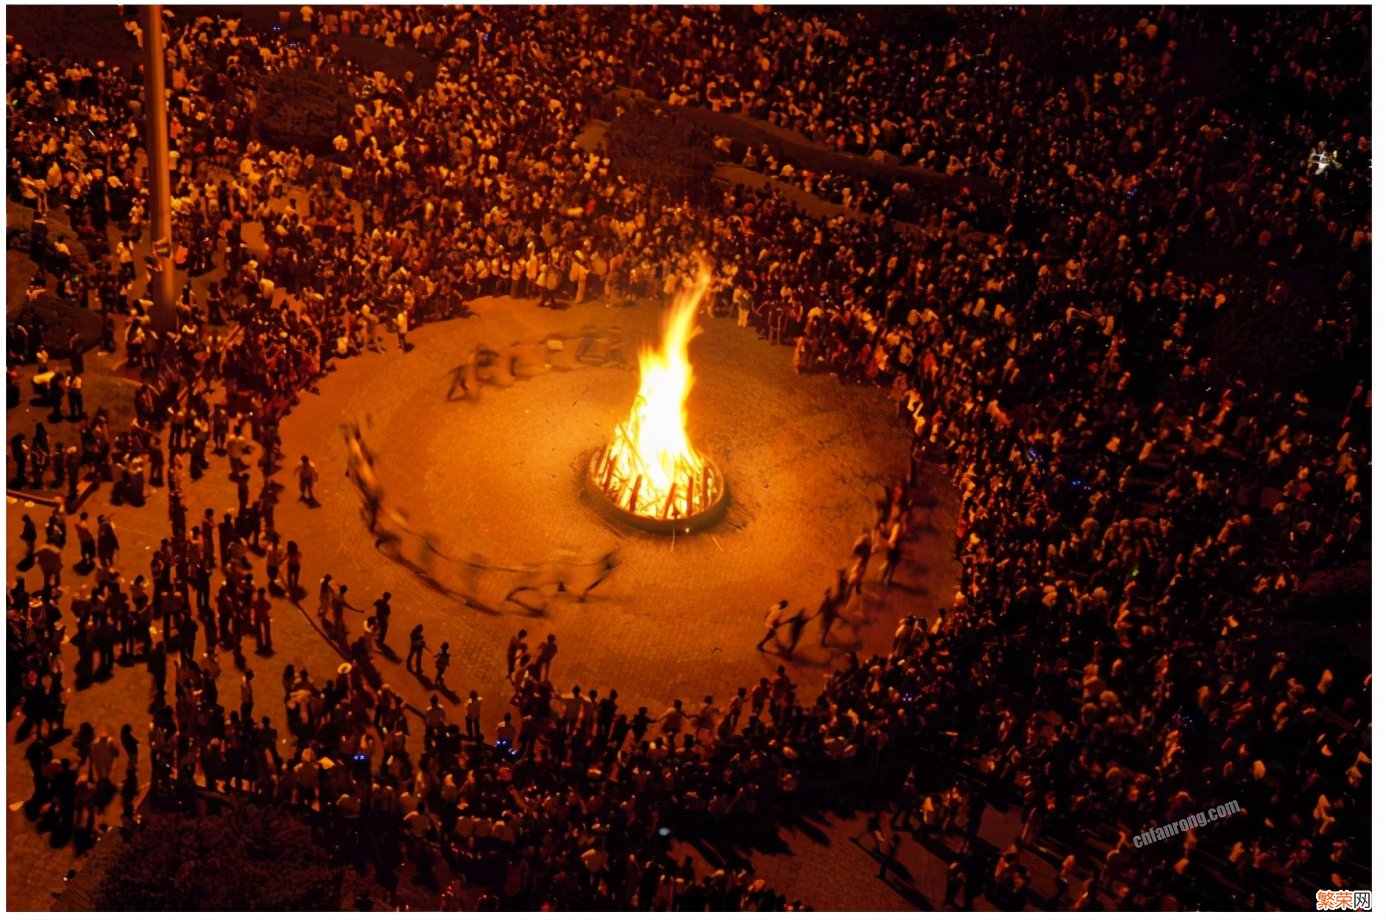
(887, 845)
(325, 595)
(131, 748)
(402, 329)
(544, 656)
(104, 752)
(86, 542)
(29, 534)
(440, 663)
(957, 878)
(74, 353)
(274, 559)
(75, 408)
(307, 475)
(339, 608)
(260, 611)
(107, 543)
(74, 474)
(606, 717)
(417, 644)
(472, 721)
(19, 451)
(247, 696)
(293, 558)
(265, 505)
(512, 652)
(505, 733)
(382, 617)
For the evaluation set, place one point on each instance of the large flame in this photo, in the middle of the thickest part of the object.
(650, 468)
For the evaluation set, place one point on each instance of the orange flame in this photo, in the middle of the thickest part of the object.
(651, 469)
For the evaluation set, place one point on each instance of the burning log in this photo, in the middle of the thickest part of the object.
(649, 453)
(610, 468)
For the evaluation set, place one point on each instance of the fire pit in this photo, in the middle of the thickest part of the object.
(649, 475)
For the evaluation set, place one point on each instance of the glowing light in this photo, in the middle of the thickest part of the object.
(650, 468)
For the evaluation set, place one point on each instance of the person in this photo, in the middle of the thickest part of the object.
(107, 543)
(544, 656)
(307, 475)
(339, 607)
(512, 652)
(887, 844)
(104, 752)
(19, 452)
(894, 550)
(75, 408)
(382, 617)
(435, 719)
(131, 747)
(505, 733)
(606, 716)
(247, 696)
(260, 609)
(401, 329)
(773, 621)
(640, 724)
(472, 720)
(274, 558)
(956, 879)
(50, 563)
(293, 558)
(706, 720)
(861, 548)
(829, 612)
(440, 663)
(671, 722)
(28, 534)
(55, 528)
(461, 379)
(414, 661)
(796, 630)
(326, 592)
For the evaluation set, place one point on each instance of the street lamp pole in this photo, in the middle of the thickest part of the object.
(162, 281)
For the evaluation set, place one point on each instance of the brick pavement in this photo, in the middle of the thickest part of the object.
(796, 476)
(500, 478)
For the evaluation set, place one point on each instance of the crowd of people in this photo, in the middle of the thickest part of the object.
(1135, 521)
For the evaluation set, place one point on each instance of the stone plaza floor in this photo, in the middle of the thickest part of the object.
(495, 482)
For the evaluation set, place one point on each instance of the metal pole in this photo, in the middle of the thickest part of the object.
(163, 283)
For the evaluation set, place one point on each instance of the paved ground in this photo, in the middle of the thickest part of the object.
(497, 480)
